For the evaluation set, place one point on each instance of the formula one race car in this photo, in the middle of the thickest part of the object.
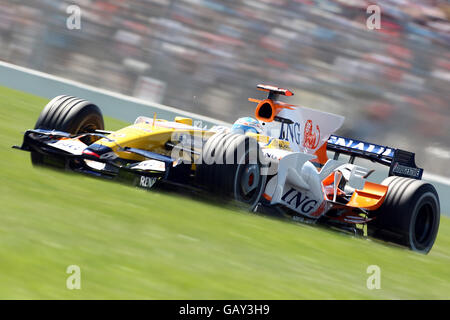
(277, 163)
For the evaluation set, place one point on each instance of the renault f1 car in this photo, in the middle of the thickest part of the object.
(282, 167)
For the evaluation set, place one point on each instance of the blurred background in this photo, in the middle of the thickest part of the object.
(207, 56)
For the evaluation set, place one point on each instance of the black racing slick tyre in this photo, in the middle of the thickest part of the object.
(232, 168)
(409, 215)
(68, 114)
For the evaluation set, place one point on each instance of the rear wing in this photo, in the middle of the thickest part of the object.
(274, 91)
(401, 163)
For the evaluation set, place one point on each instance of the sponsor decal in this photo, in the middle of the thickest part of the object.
(275, 154)
(72, 146)
(116, 135)
(299, 201)
(319, 211)
(147, 182)
(151, 165)
(311, 137)
(303, 220)
(272, 156)
(95, 164)
(406, 171)
(362, 146)
(282, 144)
(290, 132)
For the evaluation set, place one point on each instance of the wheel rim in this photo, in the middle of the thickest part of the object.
(87, 127)
(249, 180)
(249, 185)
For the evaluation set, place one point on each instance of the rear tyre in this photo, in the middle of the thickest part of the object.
(409, 215)
(68, 114)
(232, 168)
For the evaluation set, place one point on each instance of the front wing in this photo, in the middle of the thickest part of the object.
(73, 153)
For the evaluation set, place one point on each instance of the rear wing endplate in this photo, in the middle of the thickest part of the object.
(400, 162)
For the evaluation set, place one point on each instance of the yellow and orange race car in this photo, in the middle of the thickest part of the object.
(275, 163)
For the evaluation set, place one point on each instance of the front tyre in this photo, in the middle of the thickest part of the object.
(232, 168)
(409, 215)
(68, 114)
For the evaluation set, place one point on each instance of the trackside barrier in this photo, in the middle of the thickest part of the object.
(111, 103)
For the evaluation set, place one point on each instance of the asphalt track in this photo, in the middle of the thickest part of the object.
(112, 104)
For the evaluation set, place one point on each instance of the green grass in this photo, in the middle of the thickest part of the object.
(130, 243)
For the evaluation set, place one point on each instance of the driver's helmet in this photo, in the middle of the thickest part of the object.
(247, 124)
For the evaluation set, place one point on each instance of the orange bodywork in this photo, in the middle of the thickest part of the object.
(321, 154)
(276, 107)
(371, 197)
